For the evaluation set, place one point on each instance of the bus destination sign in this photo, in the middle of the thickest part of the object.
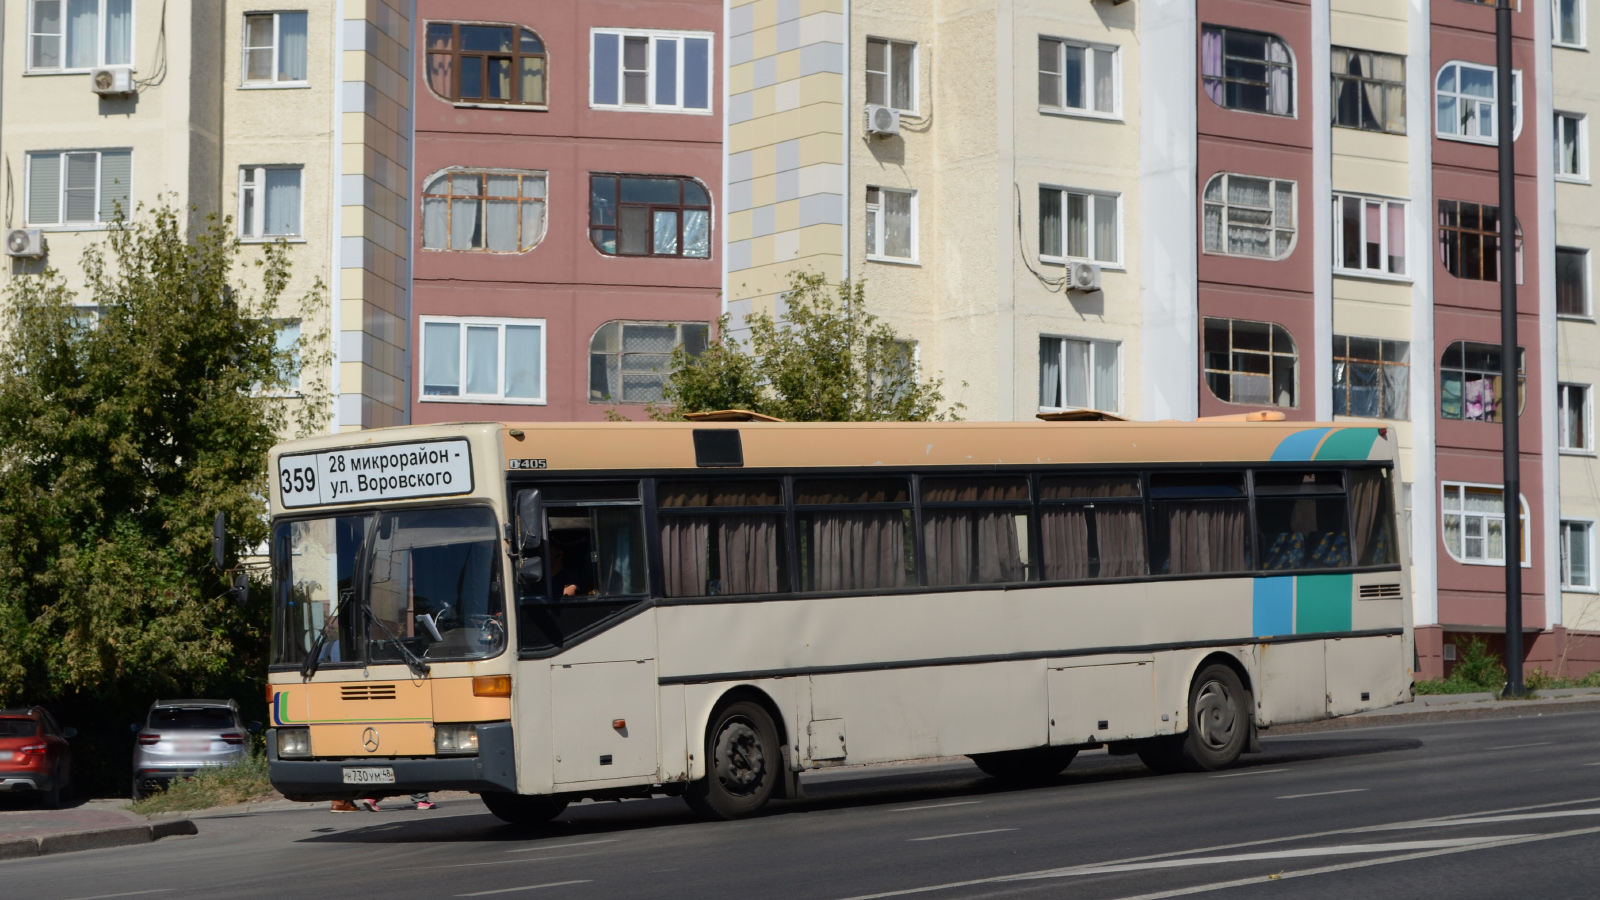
(366, 474)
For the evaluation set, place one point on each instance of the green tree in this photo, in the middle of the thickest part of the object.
(128, 418)
(826, 360)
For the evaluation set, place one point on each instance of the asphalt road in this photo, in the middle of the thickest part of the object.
(1486, 809)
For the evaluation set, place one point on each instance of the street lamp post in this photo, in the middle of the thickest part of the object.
(1510, 385)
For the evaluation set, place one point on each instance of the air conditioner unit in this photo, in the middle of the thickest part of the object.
(1082, 276)
(27, 243)
(882, 120)
(111, 81)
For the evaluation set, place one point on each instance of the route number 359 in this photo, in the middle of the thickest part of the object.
(299, 479)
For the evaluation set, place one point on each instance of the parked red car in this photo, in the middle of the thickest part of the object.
(34, 755)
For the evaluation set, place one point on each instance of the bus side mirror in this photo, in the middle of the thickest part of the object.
(240, 592)
(219, 541)
(530, 570)
(530, 522)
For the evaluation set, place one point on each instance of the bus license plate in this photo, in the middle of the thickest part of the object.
(369, 776)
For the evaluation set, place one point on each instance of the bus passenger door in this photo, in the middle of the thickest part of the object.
(603, 720)
(1094, 700)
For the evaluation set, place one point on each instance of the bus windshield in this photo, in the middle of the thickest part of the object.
(427, 580)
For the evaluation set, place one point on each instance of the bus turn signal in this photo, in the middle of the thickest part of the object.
(491, 686)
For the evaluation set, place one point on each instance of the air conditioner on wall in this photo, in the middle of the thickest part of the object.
(27, 243)
(882, 120)
(1082, 276)
(111, 81)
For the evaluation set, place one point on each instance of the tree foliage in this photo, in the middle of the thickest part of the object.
(129, 417)
(827, 359)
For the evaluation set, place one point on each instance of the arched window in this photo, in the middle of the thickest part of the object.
(1470, 382)
(1248, 70)
(629, 361)
(1249, 216)
(649, 215)
(499, 64)
(494, 210)
(1469, 240)
(1252, 363)
(1466, 95)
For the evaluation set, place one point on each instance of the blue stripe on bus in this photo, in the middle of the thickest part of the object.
(1273, 606)
(1300, 445)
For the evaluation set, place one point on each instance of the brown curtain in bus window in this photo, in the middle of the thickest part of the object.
(972, 546)
(683, 555)
(1064, 533)
(1120, 530)
(748, 546)
(1206, 537)
(858, 550)
(1375, 543)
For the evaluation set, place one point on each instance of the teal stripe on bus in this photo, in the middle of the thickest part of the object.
(1348, 443)
(1300, 445)
(1322, 603)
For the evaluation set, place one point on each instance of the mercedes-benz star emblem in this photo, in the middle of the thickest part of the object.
(369, 740)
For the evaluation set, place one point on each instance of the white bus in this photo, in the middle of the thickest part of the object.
(546, 612)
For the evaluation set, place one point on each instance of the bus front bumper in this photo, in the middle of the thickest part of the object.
(493, 769)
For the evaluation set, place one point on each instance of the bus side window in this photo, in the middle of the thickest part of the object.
(594, 565)
(1091, 526)
(975, 530)
(1372, 499)
(854, 534)
(1301, 520)
(722, 537)
(1200, 523)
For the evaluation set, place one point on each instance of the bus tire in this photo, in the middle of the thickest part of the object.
(1219, 720)
(1024, 766)
(743, 763)
(1163, 755)
(521, 809)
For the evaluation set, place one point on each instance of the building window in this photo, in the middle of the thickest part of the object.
(1248, 216)
(1569, 16)
(1574, 420)
(79, 34)
(1469, 240)
(1470, 382)
(269, 201)
(1247, 70)
(498, 211)
(1369, 235)
(289, 343)
(668, 71)
(500, 64)
(629, 362)
(891, 224)
(1572, 145)
(1077, 77)
(892, 74)
(1371, 377)
(78, 187)
(483, 360)
(1475, 523)
(1079, 374)
(1250, 362)
(1467, 93)
(1572, 281)
(1080, 225)
(275, 48)
(646, 215)
(1577, 555)
(1369, 90)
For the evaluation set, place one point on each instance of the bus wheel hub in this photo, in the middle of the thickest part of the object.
(740, 763)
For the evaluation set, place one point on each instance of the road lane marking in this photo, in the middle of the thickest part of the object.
(935, 806)
(127, 894)
(1494, 820)
(1322, 794)
(562, 846)
(1250, 772)
(1337, 850)
(1520, 746)
(506, 862)
(940, 837)
(1592, 764)
(526, 887)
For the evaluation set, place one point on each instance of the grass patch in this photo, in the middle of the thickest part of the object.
(239, 782)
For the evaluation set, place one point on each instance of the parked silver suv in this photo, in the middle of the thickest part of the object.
(180, 736)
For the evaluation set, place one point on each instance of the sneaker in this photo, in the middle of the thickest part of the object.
(426, 804)
(368, 805)
(344, 806)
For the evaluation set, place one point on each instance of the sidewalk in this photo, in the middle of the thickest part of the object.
(1455, 707)
(91, 826)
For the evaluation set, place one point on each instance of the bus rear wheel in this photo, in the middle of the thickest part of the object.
(1219, 720)
(742, 763)
(1023, 766)
(520, 809)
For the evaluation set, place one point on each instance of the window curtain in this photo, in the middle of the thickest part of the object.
(1064, 542)
(532, 222)
(1120, 536)
(1050, 372)
(1118, 541)
(858, 551)
(483, 360)
(464, 234)
(972, 546)
(897, 224)
(1375, 544)
(1211, 63)
(696, 233)
(1104, 65)
(119, 32)
(1049, 222)
(283, 201)
(1205, 536)
(83, 25)
(1280, 78)
(684, 561)
(502, 215)
(441, 359)
(1396, 392)
(292, 46)
(523, 366)
(435, 222)
(1105, 228)
(749, 551)
(1077, 369)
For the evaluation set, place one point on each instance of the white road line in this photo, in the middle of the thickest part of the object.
(526, 887)
(1338, 850)
(1494, 820)
(506, 862)
(561, 846)
(1520, 746)
(1250, 772)
(943, 805)
(1592, 764)
(127, 894)
(940, 837)
(1322, 794)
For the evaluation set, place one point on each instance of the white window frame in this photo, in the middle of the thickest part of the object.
(1563, 437)
(1063, 257)
(1061, 386)
(100, 41)
(258, 187)
(245, 83)
(1566, 561)
(1582, 175)
(1583, 24)
(650, 105)
(1088, 112)
(916, 81)
(1383, 240)
(1444, 489)
(61, 224)
(1516, 102)
(1274, 226)
(875, 212)
(1588, 295)
(499, 397)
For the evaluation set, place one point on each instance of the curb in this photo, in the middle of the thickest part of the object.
(125, 836)
(1508, 709)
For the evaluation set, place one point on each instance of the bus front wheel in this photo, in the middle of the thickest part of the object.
(742, 763)
(519, 809)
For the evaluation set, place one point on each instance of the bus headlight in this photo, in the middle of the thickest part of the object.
(294, 742)
(455, 740)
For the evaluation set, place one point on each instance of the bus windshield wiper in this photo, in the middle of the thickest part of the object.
(308, 666)
(415, 664)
